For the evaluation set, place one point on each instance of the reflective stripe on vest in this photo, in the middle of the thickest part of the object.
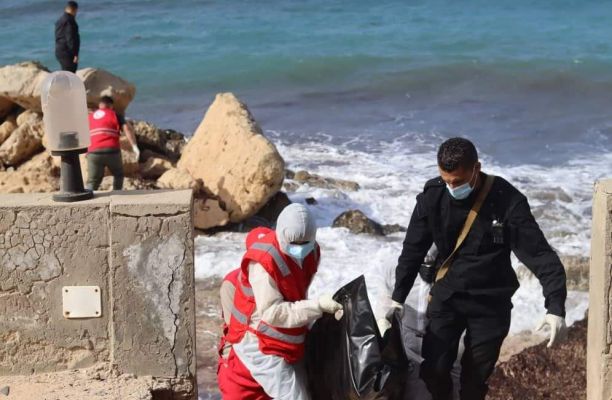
(273, 333)
(270, 249)
(245, 289)
(104, 131)
(240, 317)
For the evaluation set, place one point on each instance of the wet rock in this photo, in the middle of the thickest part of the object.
(394, 228)
(577, 272)
(541, 373)
(311, 201)
(273, 208)
(290, 186)
(314, 180)
(357, 222)
(230, 154)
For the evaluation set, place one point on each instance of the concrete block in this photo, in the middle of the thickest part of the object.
(599, 347)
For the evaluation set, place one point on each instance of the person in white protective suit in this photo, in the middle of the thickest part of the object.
(267, 313)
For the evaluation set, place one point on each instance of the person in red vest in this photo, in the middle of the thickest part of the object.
(267, 313)
(105, 127)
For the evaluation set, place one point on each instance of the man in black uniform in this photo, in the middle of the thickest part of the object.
(475, 294)
(67, 39)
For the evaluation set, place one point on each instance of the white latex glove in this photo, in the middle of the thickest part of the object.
(136, 151)
(328, 305)
(394, 306)
(383, 325)
(558, 329)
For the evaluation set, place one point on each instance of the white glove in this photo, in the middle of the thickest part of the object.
(383, 325)
(394, 307)
(136, 151)
(328, 305)
(558, 329)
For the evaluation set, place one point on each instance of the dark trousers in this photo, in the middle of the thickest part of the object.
(486, 322)
(96, 162)
(67, 64)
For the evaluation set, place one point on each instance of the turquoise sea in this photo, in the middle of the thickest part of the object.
(531, 81)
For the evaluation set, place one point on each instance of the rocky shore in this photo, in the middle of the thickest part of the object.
(239, 180)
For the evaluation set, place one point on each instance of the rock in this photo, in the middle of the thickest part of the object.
(99, 82)
(207, 213)
(290, 186)
(166, 142)
(7, 127)
(357, 222)
(155, 167)
(176, 178)
(311, 201)
(234, 160)
(28, 116)
(289, 174)
(6, 107)
(273, 208)
(394, 228)
(20, 84)
(37, 175)
(577, 272)
(129, 183)
(314, 180)
(24, 142)
(551, 195)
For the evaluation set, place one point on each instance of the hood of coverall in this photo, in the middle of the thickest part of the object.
(295, 224)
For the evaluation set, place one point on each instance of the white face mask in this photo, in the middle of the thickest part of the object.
(462, 192)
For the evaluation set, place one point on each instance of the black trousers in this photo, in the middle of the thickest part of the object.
(486, 322)
(96, 162)
(67, 64)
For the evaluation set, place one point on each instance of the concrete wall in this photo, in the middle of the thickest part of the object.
(599, 347)
(137, 247)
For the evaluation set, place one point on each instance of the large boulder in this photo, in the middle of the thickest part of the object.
(233, 158)
(37, 175)
(20, 84)
(178, 179)
(23, 143)
(162, 141)
(7, 127)
(155, 167)
(99, 82)
(208, 213)
(28, 116)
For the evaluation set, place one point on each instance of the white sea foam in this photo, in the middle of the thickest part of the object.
(390, 179)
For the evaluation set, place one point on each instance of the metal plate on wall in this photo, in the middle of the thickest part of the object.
(82, 301)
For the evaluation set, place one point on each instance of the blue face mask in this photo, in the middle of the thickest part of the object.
(462, 192)
(300, 251)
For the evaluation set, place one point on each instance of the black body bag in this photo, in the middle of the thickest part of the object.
(348, 359)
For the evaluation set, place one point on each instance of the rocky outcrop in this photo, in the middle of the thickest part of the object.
(20, 84)
(39, 174)
(208, 213)
(234, 160)
(577, 272)
(541, 373)
(154, 167)
(7, 127)
(166, 142)
(357, 222)
(179, 179)
(313, 180)
(99, 82)
(23, 143)
(6, 107)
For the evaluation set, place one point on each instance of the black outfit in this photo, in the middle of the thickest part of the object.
(67, 42)
(475, 295)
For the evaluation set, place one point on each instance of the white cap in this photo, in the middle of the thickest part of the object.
(295, 224)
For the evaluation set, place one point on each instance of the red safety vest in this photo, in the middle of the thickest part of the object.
(104, 130)
(292, 282)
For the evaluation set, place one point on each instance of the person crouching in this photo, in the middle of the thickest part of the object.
(267, 314)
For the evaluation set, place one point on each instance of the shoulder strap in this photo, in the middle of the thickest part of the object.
(467, 225)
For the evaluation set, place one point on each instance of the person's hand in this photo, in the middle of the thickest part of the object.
(383, 325)
(558, 329)
(328, 305)
(75, 59)
(394, 307)
(427, 273)
(136, 151)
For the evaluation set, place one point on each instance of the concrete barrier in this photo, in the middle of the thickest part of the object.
(137, 247)
(599, 346)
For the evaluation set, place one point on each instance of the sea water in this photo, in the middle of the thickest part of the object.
(366, 91)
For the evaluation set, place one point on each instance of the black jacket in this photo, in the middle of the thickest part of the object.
(481, 266)
(67, 39)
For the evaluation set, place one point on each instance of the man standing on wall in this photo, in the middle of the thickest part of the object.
(67, 39)
(475, 220)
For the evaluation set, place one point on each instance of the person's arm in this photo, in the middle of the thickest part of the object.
(532, 249)
(272, 306)
(129, 133)
(417, 243)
